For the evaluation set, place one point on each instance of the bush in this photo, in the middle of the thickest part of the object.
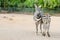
(50, 4)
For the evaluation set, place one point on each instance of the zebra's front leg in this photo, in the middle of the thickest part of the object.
(37, 23)
(44, 29)
(41, 27)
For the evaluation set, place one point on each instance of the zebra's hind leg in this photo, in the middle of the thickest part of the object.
(43, 33)
(48, 34)
(48, 30)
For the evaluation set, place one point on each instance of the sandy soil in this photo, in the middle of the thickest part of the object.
(22, 27)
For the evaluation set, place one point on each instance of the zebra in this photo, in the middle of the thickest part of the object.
(41, 19)
(46, 24)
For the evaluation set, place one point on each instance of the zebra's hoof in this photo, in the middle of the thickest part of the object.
(48, 34)
(43, 34)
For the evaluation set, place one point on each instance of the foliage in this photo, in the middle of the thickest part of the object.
(29, 3)
(50, 4)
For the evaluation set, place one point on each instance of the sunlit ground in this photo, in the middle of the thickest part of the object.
(22, 27)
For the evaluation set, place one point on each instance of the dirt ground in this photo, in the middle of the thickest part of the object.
(22, 27)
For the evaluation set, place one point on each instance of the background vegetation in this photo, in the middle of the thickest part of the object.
(24, 4)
